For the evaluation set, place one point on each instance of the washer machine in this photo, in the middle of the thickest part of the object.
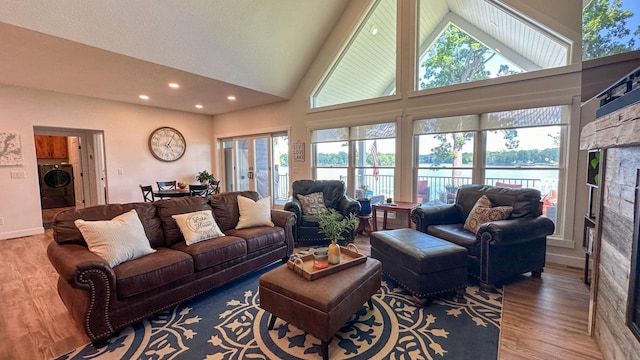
(56, 186)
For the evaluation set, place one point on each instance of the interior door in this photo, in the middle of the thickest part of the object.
(74, 159)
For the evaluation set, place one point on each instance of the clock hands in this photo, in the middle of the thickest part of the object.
(169, 143)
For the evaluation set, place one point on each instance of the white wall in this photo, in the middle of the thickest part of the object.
(126, 130)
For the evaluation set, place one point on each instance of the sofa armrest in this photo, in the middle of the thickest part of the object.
(295, 207)
(71, 260)
(424, 216)
(515, 230)
(95, 282)
(348, 205)
(287, 221)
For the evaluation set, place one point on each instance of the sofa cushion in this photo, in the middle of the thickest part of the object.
(312, 204)
(213, 252)
(260, 237)
(525, 201)
(65, 231)
(483, 212)
(197, 226)
(146, 273)
(175, 206)
(225, 208)
(254, 213)
(456, 234)
(117, 240)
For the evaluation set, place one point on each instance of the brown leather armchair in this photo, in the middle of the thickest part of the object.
(334, 196)
(500, 249)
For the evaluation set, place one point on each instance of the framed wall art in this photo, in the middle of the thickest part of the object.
(298, 151)
(10, 149)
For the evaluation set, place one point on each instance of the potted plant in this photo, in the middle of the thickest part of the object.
(333, 225)
(205, 177)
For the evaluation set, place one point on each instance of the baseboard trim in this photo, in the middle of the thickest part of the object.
(566, 260)
(21, 233)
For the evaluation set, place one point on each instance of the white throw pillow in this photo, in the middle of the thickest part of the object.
(117, 240)
(198, 226)
(254, 213)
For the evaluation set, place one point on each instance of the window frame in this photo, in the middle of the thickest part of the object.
(480, 168)
(353, 139)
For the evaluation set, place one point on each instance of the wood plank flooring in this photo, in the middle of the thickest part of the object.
(542, 318)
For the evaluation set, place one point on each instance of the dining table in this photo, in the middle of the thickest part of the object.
(171, 193)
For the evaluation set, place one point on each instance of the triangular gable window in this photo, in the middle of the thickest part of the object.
(366, 67)
(456, 57)
(469, 40)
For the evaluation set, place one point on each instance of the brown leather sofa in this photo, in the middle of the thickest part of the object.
(105, 300)
(500, 249)
(334, 196)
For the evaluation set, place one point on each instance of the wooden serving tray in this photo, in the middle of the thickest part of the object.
(304, 264)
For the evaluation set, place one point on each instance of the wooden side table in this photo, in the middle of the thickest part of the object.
(364, 226)
(399, 207)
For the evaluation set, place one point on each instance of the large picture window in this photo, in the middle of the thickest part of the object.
(520, 148)
(366, 67)
(470, 40)
(610, 27)
(364, 157)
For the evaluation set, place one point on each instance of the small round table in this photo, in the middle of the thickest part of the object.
(365, 224)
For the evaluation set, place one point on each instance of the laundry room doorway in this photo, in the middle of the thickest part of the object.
(70, 169)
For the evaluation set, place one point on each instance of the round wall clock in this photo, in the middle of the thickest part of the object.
(167, 144)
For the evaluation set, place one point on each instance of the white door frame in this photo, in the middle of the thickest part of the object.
(92, 179)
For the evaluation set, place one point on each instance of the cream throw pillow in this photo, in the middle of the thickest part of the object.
(198, 226)
(312, 204)
(117, 240)
(482, 212)
(254, 213)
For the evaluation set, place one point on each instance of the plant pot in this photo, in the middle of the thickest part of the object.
(365, 208)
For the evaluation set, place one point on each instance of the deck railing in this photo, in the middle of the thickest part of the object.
(438, 187)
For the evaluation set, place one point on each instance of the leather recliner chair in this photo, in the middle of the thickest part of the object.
(334, 196)
(500, 249)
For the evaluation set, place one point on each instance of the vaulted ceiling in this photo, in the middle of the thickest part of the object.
(257, 51)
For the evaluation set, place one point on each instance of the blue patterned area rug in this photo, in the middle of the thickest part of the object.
(228, 323)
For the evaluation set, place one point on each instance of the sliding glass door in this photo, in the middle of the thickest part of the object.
(250, 165)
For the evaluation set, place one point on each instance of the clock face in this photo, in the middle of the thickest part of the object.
(167, 144)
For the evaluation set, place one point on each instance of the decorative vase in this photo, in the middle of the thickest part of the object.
(334, 253)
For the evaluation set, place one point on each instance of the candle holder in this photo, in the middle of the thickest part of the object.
(320, 258)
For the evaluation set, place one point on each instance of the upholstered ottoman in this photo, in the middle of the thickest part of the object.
(322, 306)
(422, 264)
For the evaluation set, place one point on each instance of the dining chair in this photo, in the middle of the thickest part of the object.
(215, 187)
(199, 190)
(147, 193)
(166, 185)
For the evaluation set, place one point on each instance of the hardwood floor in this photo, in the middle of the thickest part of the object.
(542, 318)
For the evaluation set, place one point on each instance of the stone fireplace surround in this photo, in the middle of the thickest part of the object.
(617, 134)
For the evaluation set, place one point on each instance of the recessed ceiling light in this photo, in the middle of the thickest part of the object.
(174, 85)
(231, 97)
(199, 106)
(144, 97)
(374, 30)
